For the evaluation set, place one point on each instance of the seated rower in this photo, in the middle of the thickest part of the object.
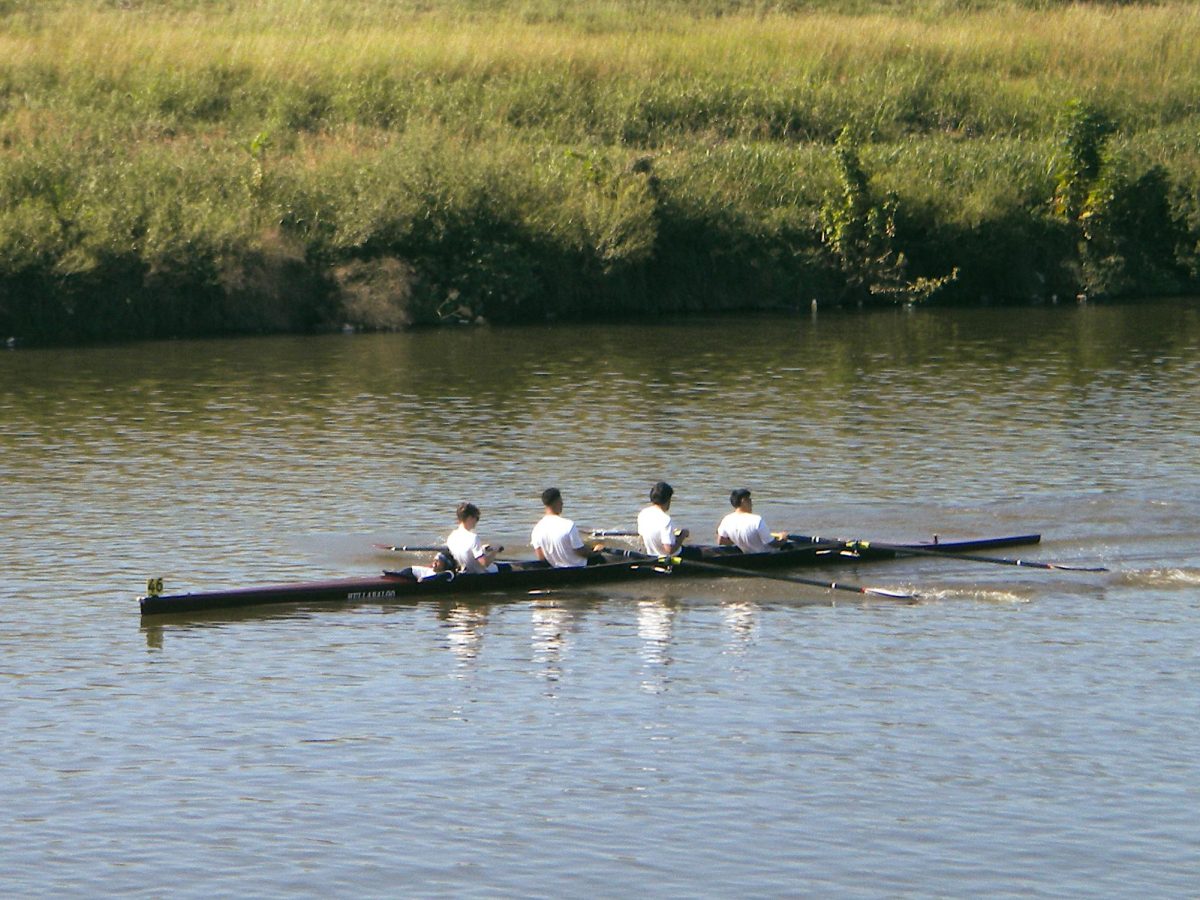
(556, 539)
(744, 528)
(441, 568)
(471, 555)
(656, 528)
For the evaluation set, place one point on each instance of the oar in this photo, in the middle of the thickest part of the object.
(950, 554)
(416, 548)
(408, 548)
(750, 573)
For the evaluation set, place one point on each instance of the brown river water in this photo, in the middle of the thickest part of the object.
(1016, 733)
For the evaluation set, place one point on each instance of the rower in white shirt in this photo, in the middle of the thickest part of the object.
(556, 539)
(659, 533)
(469, 552)
(744, 528)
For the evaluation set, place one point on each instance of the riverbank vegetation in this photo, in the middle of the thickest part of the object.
(189, 167)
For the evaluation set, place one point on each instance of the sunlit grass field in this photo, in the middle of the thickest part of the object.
(217, 165)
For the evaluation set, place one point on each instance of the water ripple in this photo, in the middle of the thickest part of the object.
(1017, 732)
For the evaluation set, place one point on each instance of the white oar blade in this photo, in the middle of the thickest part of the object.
(894, 595)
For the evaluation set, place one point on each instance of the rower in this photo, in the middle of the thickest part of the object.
(659, 534)
(470, 553)
(746, 529)
(555, 537)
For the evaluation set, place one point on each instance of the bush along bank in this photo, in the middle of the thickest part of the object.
(99, 244)
(193, 167)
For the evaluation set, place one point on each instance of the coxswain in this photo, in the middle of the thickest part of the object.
(658, 531)
(440, 568)
(556, 539)
(744, 528)
(470, 554)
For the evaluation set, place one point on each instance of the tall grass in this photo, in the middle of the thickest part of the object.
(1002, 69)
(211, 165)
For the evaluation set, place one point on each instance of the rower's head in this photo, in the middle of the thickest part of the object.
(468, 511)
(552, 500)
(739, 499)
(443, 561)
(660, 494)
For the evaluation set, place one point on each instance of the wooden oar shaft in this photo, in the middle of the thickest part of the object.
(906, 549)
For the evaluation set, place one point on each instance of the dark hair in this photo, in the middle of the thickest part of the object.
(661, 493)
(447, 561)
(550, 496)
(467, 511)
(738, 495)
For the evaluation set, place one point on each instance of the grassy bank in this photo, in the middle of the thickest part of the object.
(208, 166)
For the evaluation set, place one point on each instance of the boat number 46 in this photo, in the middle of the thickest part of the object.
(154, 587)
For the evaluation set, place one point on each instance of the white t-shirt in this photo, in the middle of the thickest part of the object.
(656, 529)
(466, 548)
(555, 536)
(747, 530)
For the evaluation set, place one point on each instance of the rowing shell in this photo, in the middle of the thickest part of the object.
(532, 575)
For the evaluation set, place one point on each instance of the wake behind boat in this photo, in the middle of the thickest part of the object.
(535, 575)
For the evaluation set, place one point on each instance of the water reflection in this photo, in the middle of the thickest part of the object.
(155, 629)
(656, 627)
(741, 618)
(551, 625)
(465, 624)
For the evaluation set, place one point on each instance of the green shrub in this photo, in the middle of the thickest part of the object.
(1133, 239)
(204, 166)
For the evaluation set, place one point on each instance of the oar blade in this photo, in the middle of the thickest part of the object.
(891, 595)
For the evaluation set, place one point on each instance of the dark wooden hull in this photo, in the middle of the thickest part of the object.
(531, 576)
